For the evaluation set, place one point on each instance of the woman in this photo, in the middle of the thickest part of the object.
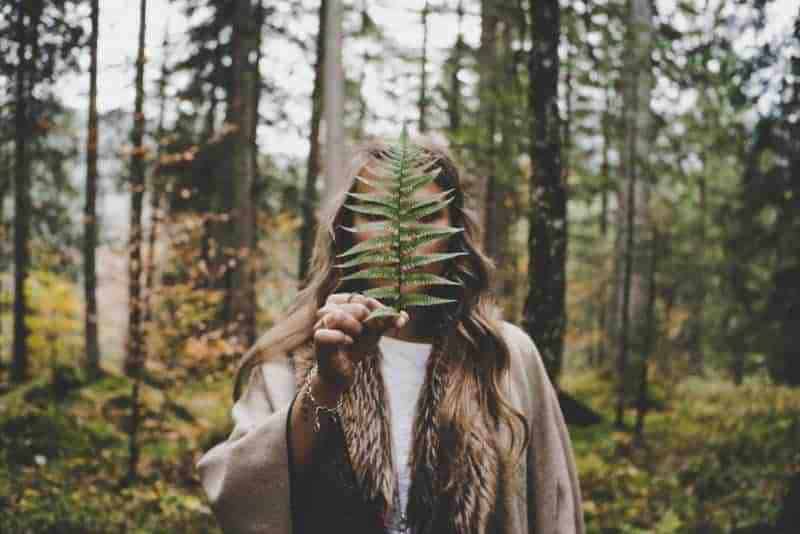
(441, 420)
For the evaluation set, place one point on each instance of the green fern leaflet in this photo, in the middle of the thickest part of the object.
(390, 253)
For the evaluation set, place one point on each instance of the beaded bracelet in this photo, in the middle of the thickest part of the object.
(309, 398)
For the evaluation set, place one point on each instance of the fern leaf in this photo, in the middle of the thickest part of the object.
(415, 261)
(374, 272)
(395, 181)
(377, 257)
(373, 210)
(375, 243)
(420, 299)
(428, 279)
(374, 198)
(384, 292)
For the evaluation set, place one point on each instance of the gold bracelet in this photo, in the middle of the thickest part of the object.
(309, 397)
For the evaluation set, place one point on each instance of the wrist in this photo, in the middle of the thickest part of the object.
(325, 392)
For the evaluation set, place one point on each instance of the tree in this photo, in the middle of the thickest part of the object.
(27, 37)
(240, 299)
(544, 310)
(635, 198)
(312, 171)
(134, 356)
(92, 363)
(334, 100)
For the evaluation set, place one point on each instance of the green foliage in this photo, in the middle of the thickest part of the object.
(717, 457)
(391, 254)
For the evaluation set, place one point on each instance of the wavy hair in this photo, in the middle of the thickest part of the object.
(477, 355)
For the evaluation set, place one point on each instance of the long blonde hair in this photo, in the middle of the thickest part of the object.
(471, 324)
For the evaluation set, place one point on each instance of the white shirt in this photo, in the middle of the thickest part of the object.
(403, 369)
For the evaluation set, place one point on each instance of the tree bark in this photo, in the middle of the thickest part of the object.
(134, 358)
(487, 58)
(544, 314)
(156, 190)
(649, 341)
(27, 34)
(423, 91)
(240, 114)
(334, 101)
(308, 229)
(634, 203)
(92, 362)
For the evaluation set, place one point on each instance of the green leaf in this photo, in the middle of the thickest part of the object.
(428, 279)
(396, 179)
(381, 199)
(373, 210)
(411, 185)
(416, 261)
(418, 239)
(381, 242)
(382, 312)
(370, 227)
(374, 272)
(414, 208)
(383, 292)
(377, 258)
(419, 299)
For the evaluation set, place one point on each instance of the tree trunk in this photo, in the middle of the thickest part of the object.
(92, 362)
(240, 114)
(544, 312)
(650, 339)
(454, 102)
(27, 34)
(696, 363)
(308, 229)
(635, 202)
(334, 101)
(604, 298)
(156, 191)
(487, 58)
(134, 357)
(423, 90)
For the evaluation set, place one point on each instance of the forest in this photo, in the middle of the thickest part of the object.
(634, 166)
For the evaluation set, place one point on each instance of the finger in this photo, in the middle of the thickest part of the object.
(343, 321)
(341, 298)
(356, 309)
(326, 336)
(401, 321)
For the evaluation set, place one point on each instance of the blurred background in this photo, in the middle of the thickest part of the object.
(634, 165)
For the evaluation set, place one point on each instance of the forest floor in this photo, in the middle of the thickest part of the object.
(716, 457)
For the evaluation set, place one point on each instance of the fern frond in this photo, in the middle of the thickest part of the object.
(395, 181)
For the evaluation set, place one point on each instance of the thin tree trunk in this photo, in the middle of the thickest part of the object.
(92, 362)
(240, 114)
(454, 104)
(635, 202)
(156, 190)
(544, 312)
(423, 90)
(134, 362)
(487, 57)
(649, 341)
(259, 184)
(334, 100)
(309, 226)
(696, 363)
(507, 210)
(27, 34)
(605, 295)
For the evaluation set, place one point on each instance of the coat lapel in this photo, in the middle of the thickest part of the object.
(366, 427)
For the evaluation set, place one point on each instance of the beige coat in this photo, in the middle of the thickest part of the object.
(247, 478)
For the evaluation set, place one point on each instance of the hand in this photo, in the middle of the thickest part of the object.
(342, 338)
